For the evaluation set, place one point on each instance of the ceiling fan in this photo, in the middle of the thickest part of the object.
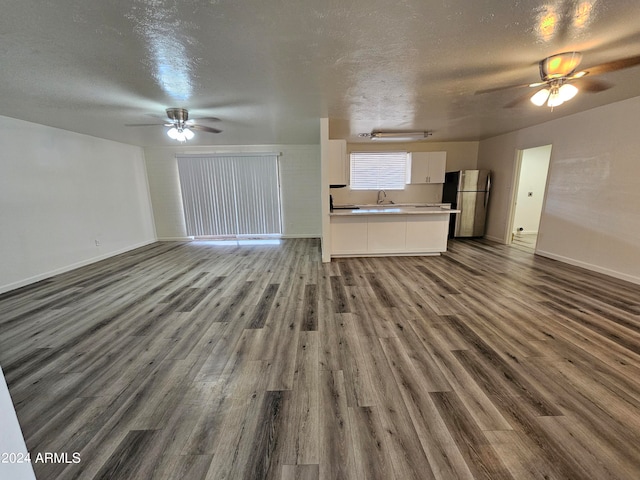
(559, 72)
(181, 127)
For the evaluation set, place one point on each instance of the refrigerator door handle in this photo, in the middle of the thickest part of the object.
(486, 197)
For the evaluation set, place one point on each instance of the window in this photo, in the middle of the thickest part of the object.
(230, 195)
(378, 170)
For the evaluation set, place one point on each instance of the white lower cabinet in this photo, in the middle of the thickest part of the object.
(353, 235)
(348, 235)
(427, 233)
(387, 234)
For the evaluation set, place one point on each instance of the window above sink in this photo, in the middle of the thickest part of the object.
(378, 170)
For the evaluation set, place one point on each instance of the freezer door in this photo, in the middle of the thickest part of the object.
(470, 221)
(450, 188)
(474, 180)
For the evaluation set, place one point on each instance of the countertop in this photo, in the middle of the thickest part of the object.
(394, 210)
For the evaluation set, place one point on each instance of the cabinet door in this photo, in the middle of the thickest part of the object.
(427, 233)
(387, 234)
(427, 167)
(348, 235)
(437, 166)
(338, 168)
(418, 167)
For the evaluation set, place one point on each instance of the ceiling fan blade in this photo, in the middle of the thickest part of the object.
(520, 101)
(614, 65)
(202, 128)
(498, 89)
(207, 119)
(143, 124)
(594, 86)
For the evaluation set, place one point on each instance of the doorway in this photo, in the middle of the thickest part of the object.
(532, 169)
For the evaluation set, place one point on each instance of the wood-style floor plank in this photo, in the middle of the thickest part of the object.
(199, 361)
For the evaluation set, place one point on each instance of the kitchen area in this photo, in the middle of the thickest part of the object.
(411, 218)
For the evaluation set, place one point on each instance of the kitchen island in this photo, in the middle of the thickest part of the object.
(386, 230)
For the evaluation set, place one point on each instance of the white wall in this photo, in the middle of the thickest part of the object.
(59, 193)
(591, 217)
(299, 177)
(460, 155)
(11, 440)
(532, 180)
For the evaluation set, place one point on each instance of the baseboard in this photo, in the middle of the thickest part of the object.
(526, 232)
(590, 266)
(68, 268)
(301, 235)
(175, 239)
(189, 239)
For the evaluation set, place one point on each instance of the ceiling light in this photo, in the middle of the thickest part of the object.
(555, 99)
(554, 95)
(399, 136)
(180, 134)
(540, 97)
(567, 92)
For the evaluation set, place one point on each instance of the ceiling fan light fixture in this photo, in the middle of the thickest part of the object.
(540, 97)
(181, 134)
(179, 126)
(567, 92)
(555, 99)
(555, 95)
(173, 133)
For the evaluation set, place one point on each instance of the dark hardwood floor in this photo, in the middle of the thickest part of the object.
(199, 361)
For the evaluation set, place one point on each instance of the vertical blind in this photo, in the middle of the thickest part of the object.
(230, 195)
(378, 170)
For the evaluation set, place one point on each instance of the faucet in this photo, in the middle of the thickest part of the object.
(381, 196)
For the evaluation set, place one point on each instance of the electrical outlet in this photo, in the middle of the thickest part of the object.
(97, 242)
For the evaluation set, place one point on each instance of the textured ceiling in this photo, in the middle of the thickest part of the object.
(269, 69)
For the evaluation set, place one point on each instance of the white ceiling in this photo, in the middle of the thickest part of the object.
(269, 69)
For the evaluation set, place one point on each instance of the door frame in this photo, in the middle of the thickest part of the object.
(515, 190)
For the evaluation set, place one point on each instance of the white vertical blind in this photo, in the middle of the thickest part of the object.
(378, 170)
(230, 194)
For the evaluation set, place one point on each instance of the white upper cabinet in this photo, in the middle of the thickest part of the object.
(338, 165)
(426, 167)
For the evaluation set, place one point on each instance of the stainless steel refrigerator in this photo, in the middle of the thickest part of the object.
(467, 191)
